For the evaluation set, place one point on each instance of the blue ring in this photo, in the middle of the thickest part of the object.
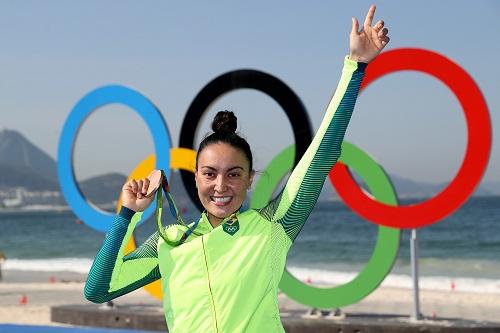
(90, 214)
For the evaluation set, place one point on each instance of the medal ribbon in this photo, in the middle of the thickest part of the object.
(174, 211)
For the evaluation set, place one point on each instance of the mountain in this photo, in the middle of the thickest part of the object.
(22, 164)
(18, 152)
(407, 188)
(104, 188)
(491, 188)
(22, 176)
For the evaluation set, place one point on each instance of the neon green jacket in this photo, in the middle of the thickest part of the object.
(227, 279)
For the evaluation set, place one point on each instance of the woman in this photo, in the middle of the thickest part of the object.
(224, 276)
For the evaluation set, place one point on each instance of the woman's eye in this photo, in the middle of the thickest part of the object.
(232, 175)
(209, 174)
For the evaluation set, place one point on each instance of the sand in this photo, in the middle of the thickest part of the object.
(40, 292)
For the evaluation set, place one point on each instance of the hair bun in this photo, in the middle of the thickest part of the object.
(224, 121)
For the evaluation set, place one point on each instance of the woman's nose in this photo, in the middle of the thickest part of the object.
(220, 184)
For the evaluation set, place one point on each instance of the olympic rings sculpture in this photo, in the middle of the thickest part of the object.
(382, 208)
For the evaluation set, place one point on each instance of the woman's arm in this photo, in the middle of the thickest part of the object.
(292, 207)
(113, 273)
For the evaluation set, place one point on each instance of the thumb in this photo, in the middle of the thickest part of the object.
(355, 26)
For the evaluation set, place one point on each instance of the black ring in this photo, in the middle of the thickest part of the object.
(252, 79)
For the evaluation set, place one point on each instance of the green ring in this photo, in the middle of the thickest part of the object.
(386, 247)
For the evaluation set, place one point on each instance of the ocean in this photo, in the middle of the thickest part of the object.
(460, 252)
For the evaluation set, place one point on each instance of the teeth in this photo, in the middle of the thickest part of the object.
(221, 199)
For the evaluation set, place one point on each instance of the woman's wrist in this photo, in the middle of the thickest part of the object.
(357, 58)
(126, 212)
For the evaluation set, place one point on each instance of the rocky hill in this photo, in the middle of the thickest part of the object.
(24, 165)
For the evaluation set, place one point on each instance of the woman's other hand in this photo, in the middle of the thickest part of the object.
(366, 44)
(133, 195)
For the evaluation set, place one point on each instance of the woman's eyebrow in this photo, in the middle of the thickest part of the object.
(208, 167)
(235, 167)
(215, 169)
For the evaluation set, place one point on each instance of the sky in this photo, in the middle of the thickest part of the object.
(52, 53)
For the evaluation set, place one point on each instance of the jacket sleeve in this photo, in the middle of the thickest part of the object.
(113, 273)
(296, 201)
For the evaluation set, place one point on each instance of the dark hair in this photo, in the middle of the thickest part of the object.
(224, 127)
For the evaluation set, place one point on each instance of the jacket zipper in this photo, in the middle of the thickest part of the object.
(209, 286)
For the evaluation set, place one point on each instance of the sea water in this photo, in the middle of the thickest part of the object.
(460, 252)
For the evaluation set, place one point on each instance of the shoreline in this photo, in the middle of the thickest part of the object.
(320, 278)
(27, 300)
(33, 277)
(41, 207)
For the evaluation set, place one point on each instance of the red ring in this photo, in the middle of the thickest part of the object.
(476, 155)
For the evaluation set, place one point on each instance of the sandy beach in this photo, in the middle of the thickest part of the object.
(26, 298)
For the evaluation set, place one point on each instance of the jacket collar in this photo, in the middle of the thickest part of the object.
(204, 225)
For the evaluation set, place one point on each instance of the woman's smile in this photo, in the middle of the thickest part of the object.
(221, 201)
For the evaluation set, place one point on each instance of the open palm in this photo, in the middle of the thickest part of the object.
(367, 43)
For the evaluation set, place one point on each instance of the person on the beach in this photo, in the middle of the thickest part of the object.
(2, 260)
(224, 276)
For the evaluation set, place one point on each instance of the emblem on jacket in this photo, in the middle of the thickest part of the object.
(231, 226)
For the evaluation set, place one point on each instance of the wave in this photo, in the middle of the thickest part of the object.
(319, 277)
(77, 265)
(466, 284)
(36, 208)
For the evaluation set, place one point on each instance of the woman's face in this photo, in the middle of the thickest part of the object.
(222, 179)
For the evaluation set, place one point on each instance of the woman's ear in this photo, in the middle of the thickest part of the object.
(250, 180)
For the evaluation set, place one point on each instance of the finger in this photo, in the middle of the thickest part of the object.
(384, 40)
(369, 16)
(355, 26)
(379, 25)
(383, 32)
(139, 190)
(133, 184)
(145, 186)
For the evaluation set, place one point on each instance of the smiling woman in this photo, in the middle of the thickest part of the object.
(224, 276)
(223, 169)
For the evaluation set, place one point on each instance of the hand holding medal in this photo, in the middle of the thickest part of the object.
(137, 195)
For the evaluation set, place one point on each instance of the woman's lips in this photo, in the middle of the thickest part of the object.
(221, 201)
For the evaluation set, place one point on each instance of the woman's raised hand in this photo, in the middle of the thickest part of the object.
(366, 44)
(134, 195)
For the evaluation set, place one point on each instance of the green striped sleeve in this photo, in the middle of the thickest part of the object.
(292, 207)
(114, 274)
